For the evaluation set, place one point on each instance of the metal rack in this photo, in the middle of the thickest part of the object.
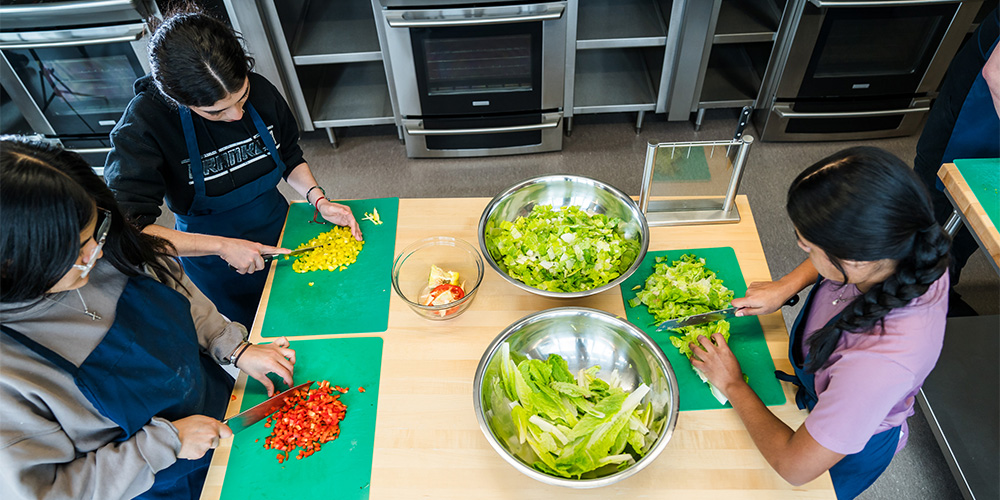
(332, 48)
(619, 57)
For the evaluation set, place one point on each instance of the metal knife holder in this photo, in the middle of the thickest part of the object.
(693, 182)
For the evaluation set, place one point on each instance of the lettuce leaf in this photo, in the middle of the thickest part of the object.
(574, 424)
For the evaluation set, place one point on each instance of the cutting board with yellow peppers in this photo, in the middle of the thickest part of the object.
(352, 300)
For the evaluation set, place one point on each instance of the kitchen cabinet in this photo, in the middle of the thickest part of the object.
(738, 39)
(617, 65)
(332, 58)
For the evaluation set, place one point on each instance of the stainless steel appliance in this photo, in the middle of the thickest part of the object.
(69, 66)
(477, 80)
(858, 69)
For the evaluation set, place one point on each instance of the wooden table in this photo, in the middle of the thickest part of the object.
(428, 443)
(968, 207)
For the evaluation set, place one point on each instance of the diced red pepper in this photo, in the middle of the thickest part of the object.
(306, 421)
(361, 389)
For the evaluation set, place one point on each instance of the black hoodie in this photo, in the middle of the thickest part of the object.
(149, 160)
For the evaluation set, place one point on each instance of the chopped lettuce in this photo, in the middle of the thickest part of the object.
(574, 423)
(683, 288)
(561, 250)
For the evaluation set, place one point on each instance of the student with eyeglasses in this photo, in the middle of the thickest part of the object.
(111, 384)
(214, 140)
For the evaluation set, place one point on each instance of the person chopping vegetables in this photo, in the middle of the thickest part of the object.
(870, 330)
(111, 385)
(213, 139)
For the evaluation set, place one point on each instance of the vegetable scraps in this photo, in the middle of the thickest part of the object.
(561, 250)
(373, 217)
(442, 288)
(683, 288)
(338, 250)
(309, 418)
(574, 423)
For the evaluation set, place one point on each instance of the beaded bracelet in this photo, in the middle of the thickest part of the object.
(236, 357)
(321, 190)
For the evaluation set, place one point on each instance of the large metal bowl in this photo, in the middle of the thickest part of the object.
(559, 191)
(584, 338)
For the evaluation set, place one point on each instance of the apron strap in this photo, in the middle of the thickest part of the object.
(41, 350)
(265, 136)
(194, 154)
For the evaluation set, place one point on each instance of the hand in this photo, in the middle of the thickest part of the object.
(276, 357)
(246, 256)
(199, 434)
(763, 297)
(340, 215)
(715, 359)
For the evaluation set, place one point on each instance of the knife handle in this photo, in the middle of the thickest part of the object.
(267, 258)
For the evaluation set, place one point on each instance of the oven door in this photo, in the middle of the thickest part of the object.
(73, 82)
(856, 49)
(483, 136)
(476, 61)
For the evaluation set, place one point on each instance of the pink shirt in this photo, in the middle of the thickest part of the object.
(870, 382)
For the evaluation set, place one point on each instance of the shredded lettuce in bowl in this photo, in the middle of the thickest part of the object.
(561, 250)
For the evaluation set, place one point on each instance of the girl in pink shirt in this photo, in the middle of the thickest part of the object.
(868, 334)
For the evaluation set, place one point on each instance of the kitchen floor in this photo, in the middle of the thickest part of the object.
(370, 162)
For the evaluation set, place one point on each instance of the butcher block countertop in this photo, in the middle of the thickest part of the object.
(428, 443)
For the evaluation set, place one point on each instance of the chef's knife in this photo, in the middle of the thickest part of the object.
(742, 123)
(293, 253)
(697, 319)
(261, 411)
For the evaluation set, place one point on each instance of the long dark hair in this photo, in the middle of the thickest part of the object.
(865, 204)
(196, 59)
(47, 197)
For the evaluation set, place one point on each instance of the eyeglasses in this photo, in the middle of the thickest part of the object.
(100, 235)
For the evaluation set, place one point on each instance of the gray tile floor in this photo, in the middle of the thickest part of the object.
(371, 162)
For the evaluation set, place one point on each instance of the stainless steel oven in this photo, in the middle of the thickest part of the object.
(69, 66)
(477, 80)
(859, 69)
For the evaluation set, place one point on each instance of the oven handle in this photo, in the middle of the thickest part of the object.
(877, 3)
(396, 20)
(487, 130)
(785, 112)
(74, 38)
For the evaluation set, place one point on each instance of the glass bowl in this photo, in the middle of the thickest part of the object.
(412, 269)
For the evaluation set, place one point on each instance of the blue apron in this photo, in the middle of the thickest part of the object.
(150, 364)
(853, 473)
(255, 211)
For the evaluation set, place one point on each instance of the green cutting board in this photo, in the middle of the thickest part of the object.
(355, 300)
(983, 178)
(746, 338)
(342, 469)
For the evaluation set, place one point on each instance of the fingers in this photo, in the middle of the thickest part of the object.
(225, 431)
(265, 249)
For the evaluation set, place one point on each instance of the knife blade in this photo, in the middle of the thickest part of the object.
(293, 253)
(709, 316)
(261, 411)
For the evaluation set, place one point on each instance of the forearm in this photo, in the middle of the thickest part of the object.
(301, 179)
(188, 244)
(800, 277)
(794, 455)
(115, 470)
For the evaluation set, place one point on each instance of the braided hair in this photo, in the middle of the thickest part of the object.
(195, 59)
(865, 204)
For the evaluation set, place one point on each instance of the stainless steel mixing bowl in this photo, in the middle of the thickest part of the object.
(590, 195)
(584, 338)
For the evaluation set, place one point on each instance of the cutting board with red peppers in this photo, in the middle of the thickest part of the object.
(354, 300)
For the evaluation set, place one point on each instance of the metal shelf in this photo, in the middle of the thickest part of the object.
(346, 95)
(747, 21)
(604, 24)
(733, 75)
(336, 32)
(613, 81)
